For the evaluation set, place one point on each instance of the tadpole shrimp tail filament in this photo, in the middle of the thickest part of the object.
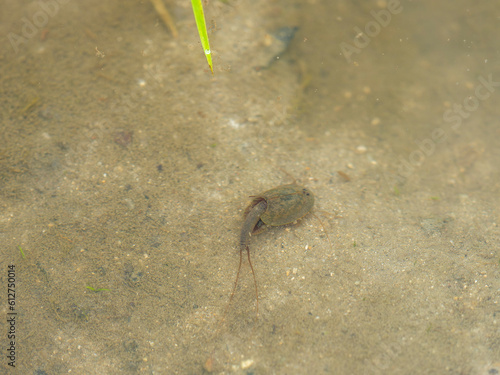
(236, 284)
(254, 282)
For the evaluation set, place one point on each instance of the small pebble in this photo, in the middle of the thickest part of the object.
(361, 149)
(344, 175)
(247, 364)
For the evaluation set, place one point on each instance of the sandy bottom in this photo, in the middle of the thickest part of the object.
(125, 168)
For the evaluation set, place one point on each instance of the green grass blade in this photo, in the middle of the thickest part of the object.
(199, 16)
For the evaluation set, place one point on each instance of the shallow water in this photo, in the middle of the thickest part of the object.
(125, 165)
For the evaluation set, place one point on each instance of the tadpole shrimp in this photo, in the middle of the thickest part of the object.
(279, 206)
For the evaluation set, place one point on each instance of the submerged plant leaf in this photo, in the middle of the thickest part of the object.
(202, 30)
